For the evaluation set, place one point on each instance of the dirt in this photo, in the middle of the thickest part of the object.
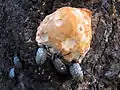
(19, 20)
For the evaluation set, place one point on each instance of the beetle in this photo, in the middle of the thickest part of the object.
(57, 59)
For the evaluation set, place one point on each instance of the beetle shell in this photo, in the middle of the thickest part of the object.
(60, 66)
(12, 73)
(76, 71)
(17, 62)
(41, 56)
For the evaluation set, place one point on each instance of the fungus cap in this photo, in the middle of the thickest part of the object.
(68, 30)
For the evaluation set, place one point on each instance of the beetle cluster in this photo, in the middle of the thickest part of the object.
(44, 52)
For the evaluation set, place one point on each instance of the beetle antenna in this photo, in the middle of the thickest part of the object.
(67, 54)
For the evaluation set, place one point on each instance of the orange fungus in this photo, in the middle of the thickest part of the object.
(68, 30)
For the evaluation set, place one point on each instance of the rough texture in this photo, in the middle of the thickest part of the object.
(67, 29)
(19, 20)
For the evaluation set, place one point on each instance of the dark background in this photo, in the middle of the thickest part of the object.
(19, 20)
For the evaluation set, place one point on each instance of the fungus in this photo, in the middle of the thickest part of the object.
(68, 30)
